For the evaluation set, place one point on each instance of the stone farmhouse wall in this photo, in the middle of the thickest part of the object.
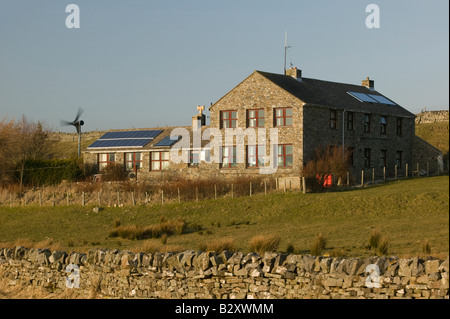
(201, 275)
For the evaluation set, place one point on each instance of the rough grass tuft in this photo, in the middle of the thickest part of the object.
(263, 243)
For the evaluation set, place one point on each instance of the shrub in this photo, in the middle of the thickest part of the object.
(374, 239)
(383, 246)
(263, 243)
(426, 248)
(220, 245)
(318, 245)
(327, 160)
(114, 172)
(167, 227)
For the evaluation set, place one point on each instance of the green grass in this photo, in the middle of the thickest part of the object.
(437, 134)
(408, 212)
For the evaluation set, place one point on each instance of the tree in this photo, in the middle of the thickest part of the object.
(327, 161)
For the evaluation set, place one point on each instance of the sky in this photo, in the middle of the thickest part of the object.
(145, 63)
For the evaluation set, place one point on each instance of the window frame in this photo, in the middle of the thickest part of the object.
(284, 156)
(367, 120)
(383, 126)
(160, 160)
(399, 126)
(256, 157)
(133, 161)
(257, 117)
(333, 119)
(230, 120)
(284, 117)
(367, 157)
(107, 162)
(350, 117)
(399, 161)
(230, 164)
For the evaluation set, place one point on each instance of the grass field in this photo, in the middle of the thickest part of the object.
(405, 211)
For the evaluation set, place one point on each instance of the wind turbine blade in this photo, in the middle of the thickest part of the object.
(80, 111)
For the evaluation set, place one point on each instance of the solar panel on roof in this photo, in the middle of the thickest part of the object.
(120, 143)
(151, 134)
(362, 97)
(381, 99)
(167, 141)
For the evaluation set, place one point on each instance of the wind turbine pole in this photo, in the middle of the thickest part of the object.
(79, 142)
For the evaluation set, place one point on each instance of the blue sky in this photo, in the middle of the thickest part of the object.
(137, 64)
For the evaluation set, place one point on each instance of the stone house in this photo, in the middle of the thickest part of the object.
(304, 114)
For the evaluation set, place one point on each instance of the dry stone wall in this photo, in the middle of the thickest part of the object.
(200, 275)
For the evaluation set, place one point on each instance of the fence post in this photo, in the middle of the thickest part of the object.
(215, 191)
(406, 173)
(162, 197)
(83, 199)
(285, 184)
(265, 187)
(304, 184)
(179, 196)
(232, 190)
(250, 189)
(40, 198)
(132, 199)
(196, 194)
(348, 179)
(146, 197)
(395, 174)
(362, 177)
(384, 173)
(373, 175)
(118, 198)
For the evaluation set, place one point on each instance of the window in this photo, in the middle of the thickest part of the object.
(398, 159)
(383, 123)
(283, 116)
(255, 155)
(399, 126)
(159, 161)
(367, 157)
(105, 159)
(229, 157)
(333, 123)
(284, 155)
(350, 152)
(133, 161)
(228, 119)
(255, 118)
(383, 158)
(350, 121)
(194, 158)
(366, 122)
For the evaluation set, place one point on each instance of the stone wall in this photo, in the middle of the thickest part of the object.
(201, 275)
(432, 116)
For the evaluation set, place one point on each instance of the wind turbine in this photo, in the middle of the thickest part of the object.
(77, 123)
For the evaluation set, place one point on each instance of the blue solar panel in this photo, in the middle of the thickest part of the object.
(120, 143)
(167, 141)
(381, 99)
(131, 134)
(362, 97)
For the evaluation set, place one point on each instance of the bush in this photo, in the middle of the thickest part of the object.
(327, 161)
(114, 172)
(383, 246)
(50, 172)
(220, 245)
(318, 245)
(374, 239)
(263, 243)
(166, 227)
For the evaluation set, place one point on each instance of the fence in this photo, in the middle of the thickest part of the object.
(120, 194)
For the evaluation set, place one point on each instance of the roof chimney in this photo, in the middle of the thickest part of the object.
(294, 72)
(368, 83)
(199, 119)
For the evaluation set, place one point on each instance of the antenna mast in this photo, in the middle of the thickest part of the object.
(285, 50)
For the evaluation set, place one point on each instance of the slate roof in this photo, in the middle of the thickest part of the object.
(333, 94)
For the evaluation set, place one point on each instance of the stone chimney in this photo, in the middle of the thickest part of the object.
(294, 72)
(199, 119)
(368, 83)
